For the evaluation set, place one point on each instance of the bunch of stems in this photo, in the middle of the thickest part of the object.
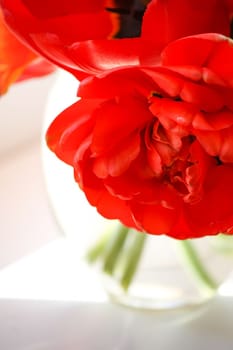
(119, 252)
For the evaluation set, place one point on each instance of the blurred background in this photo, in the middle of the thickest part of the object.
(26, 221)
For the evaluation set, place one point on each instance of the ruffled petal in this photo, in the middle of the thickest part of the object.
(118, 161)
(96, 56)
(14, 58)
(190, 51)
(50, 29)
(120, 82)
(168, 20)
(115, 120)
(207, 98)
(217, 143)
(54, 8)
(107, 205)
(221, 60)
(207, 51)
(213, 121)
(66, 133)
(154, 219)
(38, 68)
(214, 213)
(178, 112)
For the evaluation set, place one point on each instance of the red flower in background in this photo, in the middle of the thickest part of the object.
(73, 33)
(152, 146)
(17, 62)
(51, 27)
(229, 4)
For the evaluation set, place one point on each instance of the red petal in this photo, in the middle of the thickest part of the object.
(96, 56)
(214, 213)
(38, 68)
(167, 110)
(116, 119)
(50, 30)
(167, 20)
(125, 81)
(229, 4)
(142, 191)
(190, 51)
(167, 81)
(217, 143)
(207, 51)
(107, 205)
(14, 57)
(69, 129)
(117, 161)
(210, 140)
(207, 98)
(221, 60)
(55, 8)
(154, 219)
(213, 121)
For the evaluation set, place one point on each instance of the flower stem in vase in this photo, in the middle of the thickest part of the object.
(131, 257)
(113, 249)
(120, 254)
(194, 266)
(97, 249)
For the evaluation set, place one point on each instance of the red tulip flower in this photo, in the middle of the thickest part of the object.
(73, 33)
(152, 145)
(51, 27)
(17, 62)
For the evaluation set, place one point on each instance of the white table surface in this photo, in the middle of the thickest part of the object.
(36, 325)
(50, 299)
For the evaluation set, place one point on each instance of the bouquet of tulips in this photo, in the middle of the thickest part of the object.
(150, 138)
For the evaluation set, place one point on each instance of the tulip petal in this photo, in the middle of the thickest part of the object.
(190, 51)
(118, 161)
(50, 29)
(107, 205)
(221, 60)
(214, 213)
(116, 119)
(154, 219)
(14, 57)
(38, 68)
(168, 20)
(207, 98)
(52, 8)
(119, 82)
(213, 121)
(66, 132)
(207, 51)
(96, 56)
(217, 143)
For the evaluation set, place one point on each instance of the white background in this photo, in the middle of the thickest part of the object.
(26, 222)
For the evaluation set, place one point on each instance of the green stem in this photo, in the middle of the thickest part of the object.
(120, 252)
(114, 248)
(132, 256)
(196, 267)
(97, 249)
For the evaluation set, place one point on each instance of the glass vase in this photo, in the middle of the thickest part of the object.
(161, 273)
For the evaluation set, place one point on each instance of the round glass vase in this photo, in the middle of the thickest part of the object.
(161, 273)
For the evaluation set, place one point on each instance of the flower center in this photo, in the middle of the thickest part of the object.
(172, 159)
